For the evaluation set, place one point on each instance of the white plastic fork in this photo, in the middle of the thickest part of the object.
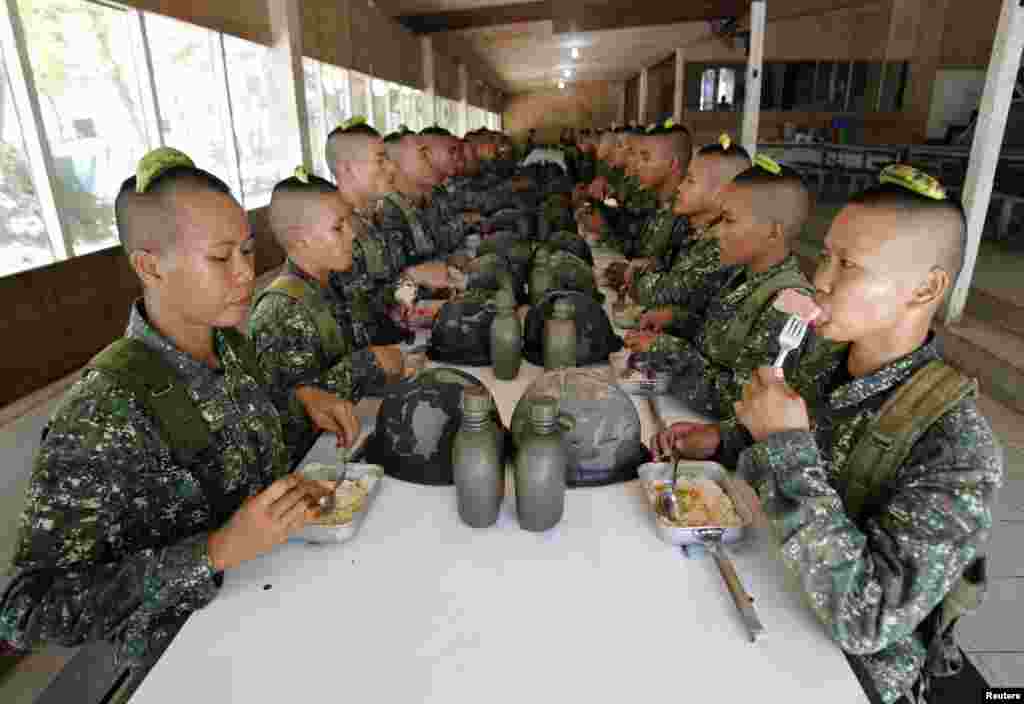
(790, 338)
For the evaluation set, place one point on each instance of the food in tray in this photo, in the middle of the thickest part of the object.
(699, 502)
(350, 498)
(794, 302)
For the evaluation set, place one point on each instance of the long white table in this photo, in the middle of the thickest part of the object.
(421, 608)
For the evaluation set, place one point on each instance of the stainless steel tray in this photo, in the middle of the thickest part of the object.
(316, 533)
(654, 473)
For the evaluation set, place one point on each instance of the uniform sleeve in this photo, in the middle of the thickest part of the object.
(73, 583)
(291, 353)
(872, 587)
(711, 387)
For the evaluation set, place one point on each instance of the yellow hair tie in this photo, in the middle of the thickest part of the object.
(914, 180)
(768, 164)
(725, 140)
(157, 162)
(669, 123)
(302, 174)
(353, 121)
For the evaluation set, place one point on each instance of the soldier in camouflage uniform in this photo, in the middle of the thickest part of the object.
(677, 296)
(761, 213)
(300, 326)
(125, 533)
(874, 578)
(382, 252)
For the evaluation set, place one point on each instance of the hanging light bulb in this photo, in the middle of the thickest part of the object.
(566, 73)
(561, 85)
(575, 52)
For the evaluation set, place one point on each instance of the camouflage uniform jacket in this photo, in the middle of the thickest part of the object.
(662, 232)
(707, 385)
(399, 214)
(696, 277)
(291, 353)
(113, 538)
(873, 582)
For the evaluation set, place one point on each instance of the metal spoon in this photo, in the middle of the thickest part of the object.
(667, 501)
(328, 502)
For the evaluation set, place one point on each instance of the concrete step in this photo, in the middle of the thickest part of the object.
(992, 354)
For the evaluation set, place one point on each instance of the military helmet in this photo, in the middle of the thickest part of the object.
(595, 338)
(605, 444)
(462, 330)
(416, 425)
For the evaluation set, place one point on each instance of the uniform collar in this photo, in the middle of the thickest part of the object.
(198, 374)
(885, 379)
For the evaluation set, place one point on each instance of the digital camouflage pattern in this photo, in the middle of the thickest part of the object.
(696, 277)
(291, 353)
(873, 582)
(707, 385)
(113, 538)
(399, 214)
(662, 233)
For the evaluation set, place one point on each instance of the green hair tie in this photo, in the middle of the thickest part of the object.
(912, 179)
(768, 164)
(301, 173)
(669, 123)
(353, 121)
(157, 162)
(725, 140)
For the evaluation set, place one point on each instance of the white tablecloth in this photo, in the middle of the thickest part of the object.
(421, 608)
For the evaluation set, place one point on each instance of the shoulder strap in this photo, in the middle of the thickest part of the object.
(293, 287)
(422, 243)
(160, 390)
(739, 329)
(930, 393)
(245, 353)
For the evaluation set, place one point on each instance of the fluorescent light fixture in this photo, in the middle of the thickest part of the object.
(575, 52)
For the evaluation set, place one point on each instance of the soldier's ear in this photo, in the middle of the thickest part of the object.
(933, 287)
(147, 267)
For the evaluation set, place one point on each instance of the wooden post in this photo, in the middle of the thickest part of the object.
(292, 121)
(641, 99)
(988, 141)
(463, 98)
(429, 80)
(620, 112)
(752, 100)
(679, 98)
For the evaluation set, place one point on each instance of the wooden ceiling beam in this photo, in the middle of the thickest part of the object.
(477, 17)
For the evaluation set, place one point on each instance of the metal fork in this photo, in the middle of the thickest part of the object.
(790, 338)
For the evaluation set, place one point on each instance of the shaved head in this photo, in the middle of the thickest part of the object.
(294, 206)
(350, 144)
(149, 221)
(937, 228)
(672, 144)
(725, 164)
(779, 198)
